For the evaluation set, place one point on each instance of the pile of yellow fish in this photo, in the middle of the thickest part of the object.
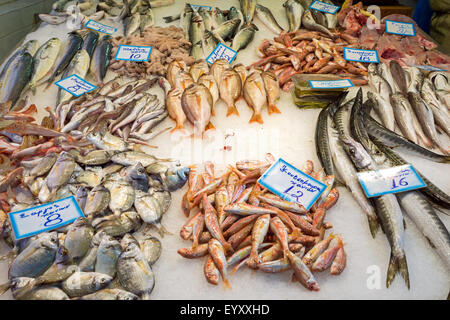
(235, 221)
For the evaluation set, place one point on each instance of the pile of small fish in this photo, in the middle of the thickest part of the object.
(349, 140)
(206, 28)
(235, 221)
(96, 257)
(303, 51)
(168, 45)
(113, 116)
(418, 104)
(192, 94)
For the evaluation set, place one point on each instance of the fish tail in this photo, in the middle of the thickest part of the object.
(213, 113)
(145, 296)
(403, 266)
(4, 287)
(210, 126)
(256, 118)
(271, 108)
(226, 284)
(397, 264)
(373, 226)
(177, 127)
(232, 110)
(162, 230)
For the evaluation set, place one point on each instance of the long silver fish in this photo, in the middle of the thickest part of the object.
(100, 59)
(383, 109)
(403, 116)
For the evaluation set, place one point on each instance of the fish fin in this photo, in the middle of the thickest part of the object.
(162, 230)
(145, 296)
(226, 284)
(210, 126)
(373, 226)
(403, 266)
(213, 113)
(232, 110)
(256, 118)
(272, 109)
(177, 127)
(4, 287)
(397, 265)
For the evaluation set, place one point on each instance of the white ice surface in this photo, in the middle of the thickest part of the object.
(290, 136)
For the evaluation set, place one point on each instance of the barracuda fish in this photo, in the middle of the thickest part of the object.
(100, 59)
(393, 140)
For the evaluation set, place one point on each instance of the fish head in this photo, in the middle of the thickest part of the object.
(356, 152)
(101, 280)
(49, 241)
(62, 255)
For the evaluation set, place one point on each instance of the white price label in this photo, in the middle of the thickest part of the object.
(324, 7)
(360, 55)
(221, 52)
(100, 27)
(292, 184)
(133, 53)
(197, 6)
(402, 28)
(75, 85)
(390, 180)
(46, 217)
(330, 84)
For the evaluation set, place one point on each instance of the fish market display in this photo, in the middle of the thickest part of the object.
(346, 143)
(168, 45)
(309, 52)
(234, 221)
(193, 92)
(95, 257)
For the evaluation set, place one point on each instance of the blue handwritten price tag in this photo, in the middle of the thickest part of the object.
(75, 85)
(402, 28)
(324, 7)
(197, 6)
(100, 27)
(390, 180)
(133, 53)
(292, 184)
(221, 52)
(53, 215)
(360, 55)
(330, 84)
(428, 68)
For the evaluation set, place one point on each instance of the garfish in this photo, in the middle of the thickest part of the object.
(272, 88)
(294, 13)
(44, 60)
(74, 44)
(255, 95)
(230, 89)
(101, 58)
(197, 104)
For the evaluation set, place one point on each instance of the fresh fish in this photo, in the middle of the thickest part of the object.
(217, 253)
(209, 43)
(90, 42)
(230, 89)
(44, 165)
(208, 81)
(149, 209)
(198, 68)
(136, 176)
(110, 294)
(380, 86)
(425, 116)
(208, 19)
(53, 19)
(108, 253)
(151, 247)
(131, 24)
(79, 65)
(61, 171)
(259, 232)
(197, 51)
(147, 20)
(197, 28)
(235, 13)
(403, 116)
(74, 44)
(212, 224)
(399, 76)
(96, 157)
(122, 196)
(415, 79)
(255, 95)
(244, 209)
(59, 5)
(36, 258)
(383, 109)
(185, 19)
(243, 37)
(265, 16)
(217, 68)
(101, 58)
(127, 222)
(294, 12)
(107, 141)
(211, 272)
(325, 260)
(440, 112)
(134, 273)
(302, 272)
(83, 283)
(218, 15)
(248, 8)
(331, 19)
(227, 29)
(78, 238)
(385, 73)
(272, 88)
(309, 23)
(15, 78)
(129, 158)
(176, 178)
(439, 79)
(197, 104)
(428, 222)
(87, 263)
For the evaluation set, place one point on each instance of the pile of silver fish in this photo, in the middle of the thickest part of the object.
(192, 93)
(113, 116)
(95, 257)
(235, 221)
(415, 103)
(349, 140)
